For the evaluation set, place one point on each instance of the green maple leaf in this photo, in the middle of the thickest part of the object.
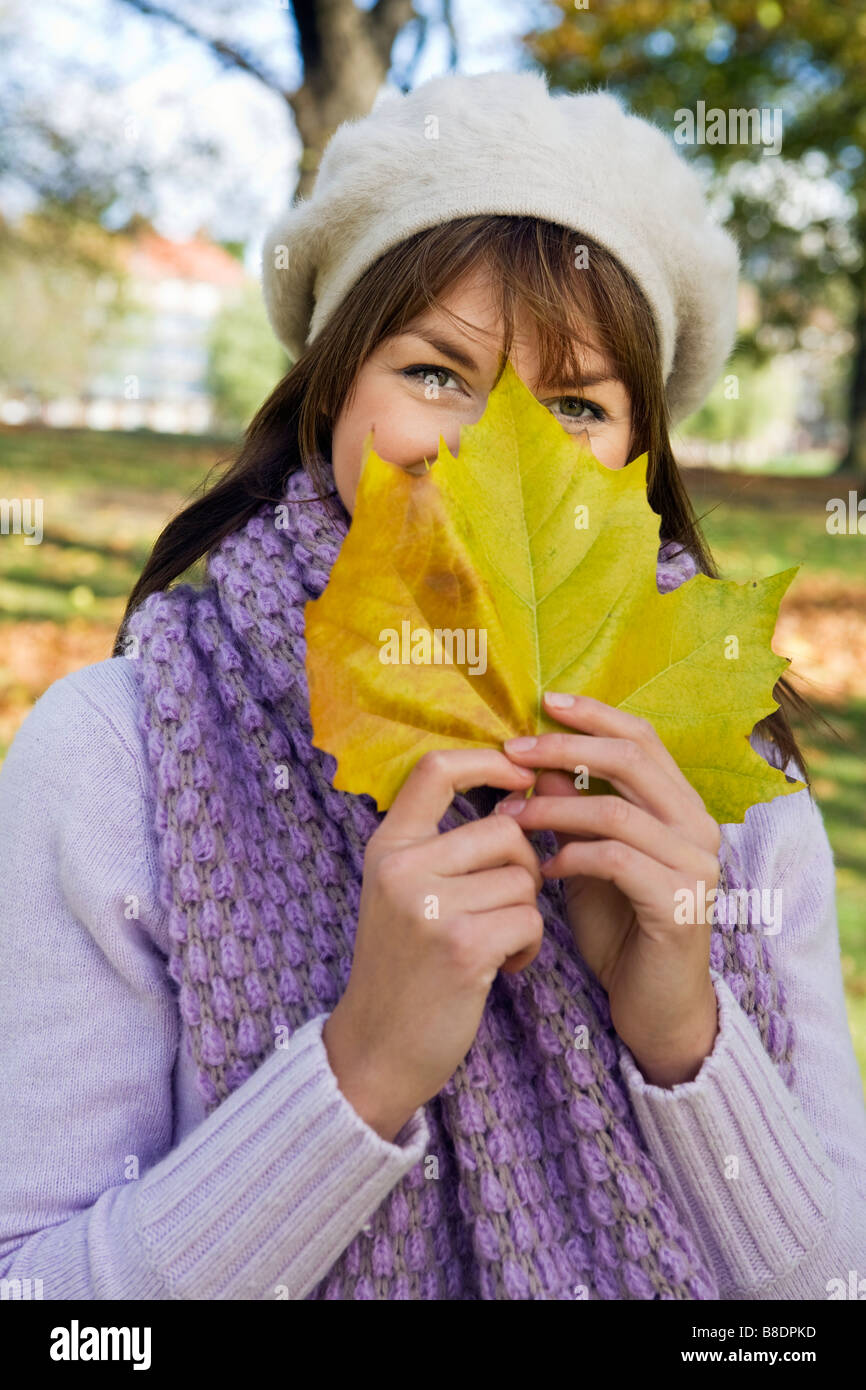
(549, 558)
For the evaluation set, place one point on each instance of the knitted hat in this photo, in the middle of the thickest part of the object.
(499, 142)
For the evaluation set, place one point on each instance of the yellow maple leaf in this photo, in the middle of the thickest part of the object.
(523, 565)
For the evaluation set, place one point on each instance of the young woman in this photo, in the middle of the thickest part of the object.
(240, 1061)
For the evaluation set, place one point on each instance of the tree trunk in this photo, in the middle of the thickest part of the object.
(855, 459)
(346, 53)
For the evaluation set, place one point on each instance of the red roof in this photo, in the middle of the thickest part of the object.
(155, 257)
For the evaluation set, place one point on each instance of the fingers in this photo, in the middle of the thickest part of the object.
(517, 932)
(493, 888)
(554, 783)
(488, 843)
(611, 818)
(667, 792)
(429, 789)
(518, 800)
(642, 880)
(632, 771)
(623, 763)
(595, 717)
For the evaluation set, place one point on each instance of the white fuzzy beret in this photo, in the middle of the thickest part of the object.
(500, 142)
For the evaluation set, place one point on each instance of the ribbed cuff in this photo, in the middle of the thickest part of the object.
(261, 1199)
(742, 1162)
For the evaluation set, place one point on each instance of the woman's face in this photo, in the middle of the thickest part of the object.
(407, 408)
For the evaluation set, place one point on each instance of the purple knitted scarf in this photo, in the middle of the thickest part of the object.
(542, 1187)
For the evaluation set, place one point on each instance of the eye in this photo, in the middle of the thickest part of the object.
(595, 411)
(423, 370)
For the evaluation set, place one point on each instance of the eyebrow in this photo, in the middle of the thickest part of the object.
(459, 354)
(447, 348)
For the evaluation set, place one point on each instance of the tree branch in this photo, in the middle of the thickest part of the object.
(385, 20)
(227, 53)
(448, 21)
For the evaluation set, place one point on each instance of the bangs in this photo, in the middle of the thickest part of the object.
(531, 265)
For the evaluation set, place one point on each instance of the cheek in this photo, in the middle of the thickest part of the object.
(350, 428)
(388, 414)
(345, 474)
(611, 446)
(403, 430)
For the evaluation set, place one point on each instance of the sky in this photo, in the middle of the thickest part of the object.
(153, 90)
(152, 93)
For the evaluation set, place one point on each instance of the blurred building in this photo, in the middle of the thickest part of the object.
(149, 366)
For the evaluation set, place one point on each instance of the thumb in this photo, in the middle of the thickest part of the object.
(553, 782)
(549, 782)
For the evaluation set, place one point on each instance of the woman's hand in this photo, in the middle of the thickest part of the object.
(440, 914)
(624, 858)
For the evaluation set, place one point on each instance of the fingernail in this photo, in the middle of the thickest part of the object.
(518, 745)
(558, 700)
(511, 808)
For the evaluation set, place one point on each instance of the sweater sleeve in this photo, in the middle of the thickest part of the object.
(773, 1179)
(262, 1197)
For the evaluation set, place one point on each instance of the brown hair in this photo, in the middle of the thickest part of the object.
(530, 261)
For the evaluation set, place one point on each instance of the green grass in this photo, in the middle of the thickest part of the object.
(758, 526)
(837, 771)
(816, 463)
(99, 461)
(104, 499)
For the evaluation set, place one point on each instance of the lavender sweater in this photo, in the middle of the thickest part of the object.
(113, 1184)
